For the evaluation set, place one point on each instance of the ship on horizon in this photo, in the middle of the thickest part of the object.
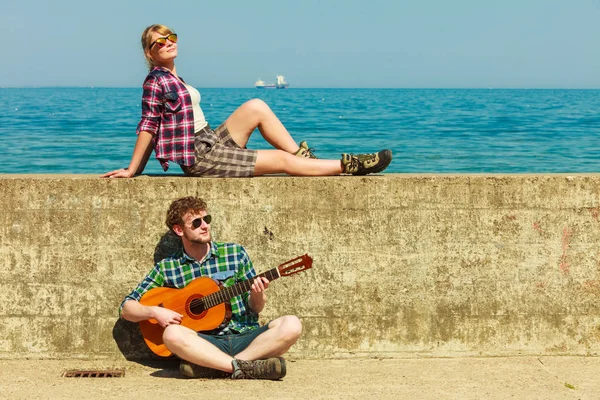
(281, 83)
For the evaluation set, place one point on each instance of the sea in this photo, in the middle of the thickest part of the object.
(92, 130)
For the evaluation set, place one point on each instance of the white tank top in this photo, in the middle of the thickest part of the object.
(199, 120)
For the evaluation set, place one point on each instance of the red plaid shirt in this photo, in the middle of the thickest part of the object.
(168, 115)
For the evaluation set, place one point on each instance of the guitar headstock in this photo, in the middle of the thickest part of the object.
(295, 265)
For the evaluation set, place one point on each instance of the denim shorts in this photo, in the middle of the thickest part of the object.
(234, 343)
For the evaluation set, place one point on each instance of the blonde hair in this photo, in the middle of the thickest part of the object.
(147, 40)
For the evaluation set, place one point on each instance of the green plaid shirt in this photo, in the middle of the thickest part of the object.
(226, 262)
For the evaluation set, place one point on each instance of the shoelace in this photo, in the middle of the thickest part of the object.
(367, 157)
(311, 151)
(353, 165)
(357, 161)
(253, 369)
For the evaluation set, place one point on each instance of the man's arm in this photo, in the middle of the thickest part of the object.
(132, 310)
(135, 312)
(258, 297)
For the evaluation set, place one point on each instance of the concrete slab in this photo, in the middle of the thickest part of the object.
(431, 378)
(423, 265)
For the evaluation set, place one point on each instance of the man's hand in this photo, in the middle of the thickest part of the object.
(166, 317)
(260, 285)
(258, 298)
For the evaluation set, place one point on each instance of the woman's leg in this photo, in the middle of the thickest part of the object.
(277, 161)
(257, 114)
(254, 114)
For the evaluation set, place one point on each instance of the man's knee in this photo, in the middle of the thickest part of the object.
(174, 336)
(290, 328)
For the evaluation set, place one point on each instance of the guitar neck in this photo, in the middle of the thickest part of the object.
(226, 294)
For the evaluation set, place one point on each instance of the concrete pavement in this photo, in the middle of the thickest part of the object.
(430, 378)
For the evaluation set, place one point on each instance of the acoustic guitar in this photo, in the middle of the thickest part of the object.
(204, 302)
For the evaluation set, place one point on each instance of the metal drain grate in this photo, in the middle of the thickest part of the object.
(94, 373)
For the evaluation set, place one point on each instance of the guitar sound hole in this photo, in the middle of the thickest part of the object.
(194, 307)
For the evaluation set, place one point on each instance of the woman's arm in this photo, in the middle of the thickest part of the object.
(141, 154)
(148, 137)
(152, 110)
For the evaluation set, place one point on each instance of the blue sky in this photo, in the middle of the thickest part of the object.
(314, 43)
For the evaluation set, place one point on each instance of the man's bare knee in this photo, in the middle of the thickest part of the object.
(174, 335)
(290, 328)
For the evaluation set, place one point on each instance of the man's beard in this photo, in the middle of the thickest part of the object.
(201, 241)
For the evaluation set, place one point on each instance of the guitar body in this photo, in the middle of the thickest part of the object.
(179, 300)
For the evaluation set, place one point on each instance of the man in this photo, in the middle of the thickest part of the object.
(242, 349)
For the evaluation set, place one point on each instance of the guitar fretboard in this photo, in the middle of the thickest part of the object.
(226, 294)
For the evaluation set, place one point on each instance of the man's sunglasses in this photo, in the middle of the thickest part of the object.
(162, 41)
(197, 223)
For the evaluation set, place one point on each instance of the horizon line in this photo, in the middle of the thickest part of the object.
(303, 88)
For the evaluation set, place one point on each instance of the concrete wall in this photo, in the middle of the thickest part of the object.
(403, 265)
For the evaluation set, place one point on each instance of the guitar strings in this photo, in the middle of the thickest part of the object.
(221, 296)
(206, 302)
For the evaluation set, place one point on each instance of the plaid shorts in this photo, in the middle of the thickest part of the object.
(219, 156)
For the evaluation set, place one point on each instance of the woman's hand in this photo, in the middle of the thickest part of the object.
(141, 153)
(118, 173)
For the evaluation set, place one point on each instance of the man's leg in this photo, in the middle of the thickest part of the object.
(283, 332)
(186, 344)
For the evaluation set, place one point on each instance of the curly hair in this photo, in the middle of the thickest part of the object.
(182, 206)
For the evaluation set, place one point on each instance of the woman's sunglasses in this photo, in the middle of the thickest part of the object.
(162, 41)
(197, 223)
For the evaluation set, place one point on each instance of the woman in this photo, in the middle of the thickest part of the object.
(173, 125)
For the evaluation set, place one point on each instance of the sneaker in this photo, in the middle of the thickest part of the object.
(271, 368)
(362, 164)
(198, 371)
(305, 151)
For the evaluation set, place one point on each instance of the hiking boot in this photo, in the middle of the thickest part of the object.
(198, 371)
(305, 151)
(362, 164)
(271, 368)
